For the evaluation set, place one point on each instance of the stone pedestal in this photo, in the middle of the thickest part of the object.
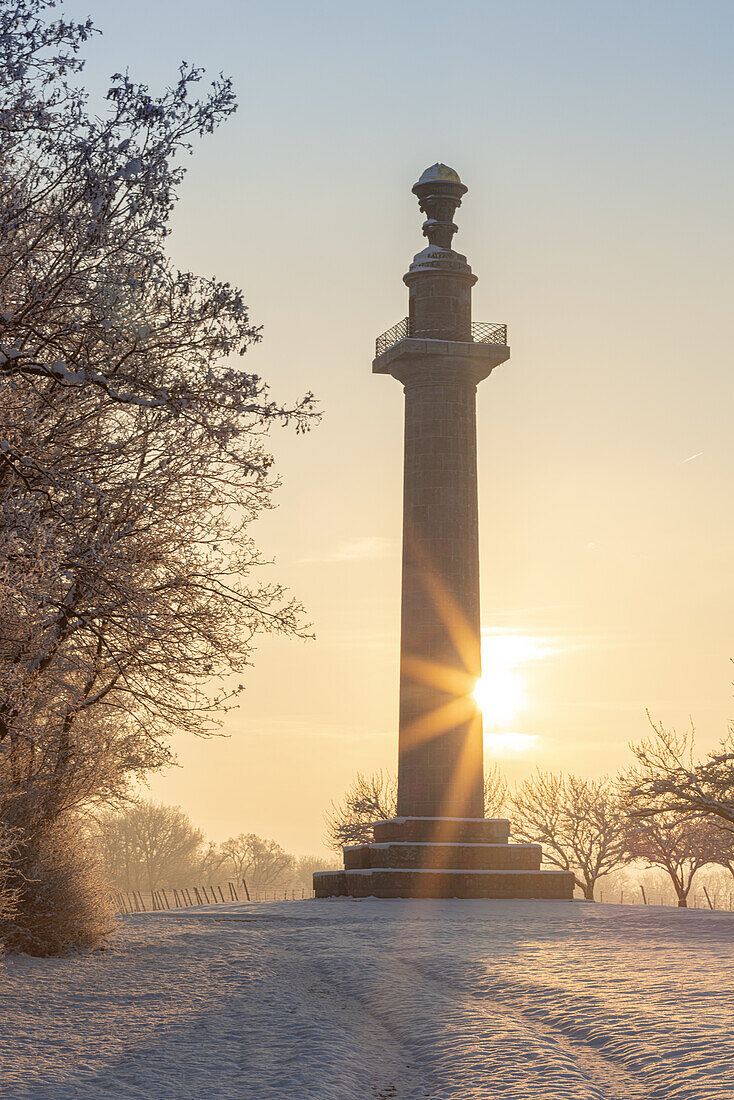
(424, 857)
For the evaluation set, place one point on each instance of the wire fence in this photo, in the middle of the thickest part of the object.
(185, 897)
(721, 900)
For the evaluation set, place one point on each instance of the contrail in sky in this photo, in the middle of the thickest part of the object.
(691, 457)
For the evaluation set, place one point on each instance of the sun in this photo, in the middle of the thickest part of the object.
(501, 693)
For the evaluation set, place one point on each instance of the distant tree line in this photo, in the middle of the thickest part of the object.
(668, 811)
(146, 846)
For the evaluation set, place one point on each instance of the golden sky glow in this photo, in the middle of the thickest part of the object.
(598, 220)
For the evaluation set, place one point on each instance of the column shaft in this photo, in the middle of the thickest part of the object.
(440, 771)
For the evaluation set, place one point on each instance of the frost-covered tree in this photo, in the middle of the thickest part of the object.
(375, 798)
(132, 444)
(723, 845)
(212, 866)
(370, 798)
(667, 777)
(578, 822)
(495, 792)
(307, 866)
(679, 846)
(261, 862)
(145, 845)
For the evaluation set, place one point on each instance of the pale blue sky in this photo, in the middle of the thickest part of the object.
(596, 141)
(356, 76)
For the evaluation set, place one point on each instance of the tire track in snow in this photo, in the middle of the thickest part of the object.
(382, 1064)
(474, 1049)
(609, 1079)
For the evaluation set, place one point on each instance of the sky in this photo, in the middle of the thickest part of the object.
(595, 140)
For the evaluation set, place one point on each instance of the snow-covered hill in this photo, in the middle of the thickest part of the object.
(359, 1000)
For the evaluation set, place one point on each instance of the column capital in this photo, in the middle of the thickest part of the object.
(415, 362)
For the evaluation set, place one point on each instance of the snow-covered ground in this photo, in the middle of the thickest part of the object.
(359, 1000)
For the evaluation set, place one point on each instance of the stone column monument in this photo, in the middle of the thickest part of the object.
(441, 845)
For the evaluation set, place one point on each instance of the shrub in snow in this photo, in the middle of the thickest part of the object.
(8, 896)
(62, 903)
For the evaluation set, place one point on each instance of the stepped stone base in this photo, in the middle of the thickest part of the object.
(430, 857)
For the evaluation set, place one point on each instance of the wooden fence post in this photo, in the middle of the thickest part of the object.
(644, 895)
(708, 899)
(247, 892)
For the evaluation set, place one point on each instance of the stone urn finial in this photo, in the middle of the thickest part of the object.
(439, 192)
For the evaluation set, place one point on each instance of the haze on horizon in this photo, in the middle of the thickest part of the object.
(594, 143)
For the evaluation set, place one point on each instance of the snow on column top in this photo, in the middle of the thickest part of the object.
(439, 172)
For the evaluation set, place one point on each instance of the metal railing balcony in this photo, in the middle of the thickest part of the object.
(482, 332)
